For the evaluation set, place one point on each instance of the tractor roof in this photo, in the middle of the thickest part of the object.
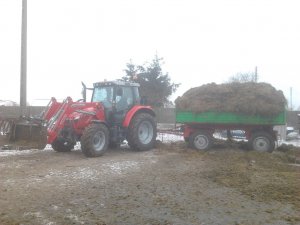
(116, 83)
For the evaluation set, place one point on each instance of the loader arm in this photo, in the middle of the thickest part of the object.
(71, 119)
(51, 109)
(56, 122)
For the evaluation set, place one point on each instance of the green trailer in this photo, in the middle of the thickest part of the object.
(199, 128)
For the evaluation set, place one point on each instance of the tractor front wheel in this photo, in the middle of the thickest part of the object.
(95, 140)
(142, 132)
(61, 146)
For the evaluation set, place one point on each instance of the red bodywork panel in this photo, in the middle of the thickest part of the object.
(76, 115)
(134, 110)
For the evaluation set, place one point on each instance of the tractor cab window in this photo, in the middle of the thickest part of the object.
(103, 95)
(124, 98)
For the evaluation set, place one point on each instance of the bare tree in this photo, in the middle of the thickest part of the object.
(243, 78)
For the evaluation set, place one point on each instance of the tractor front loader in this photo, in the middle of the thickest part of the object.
(27, 132)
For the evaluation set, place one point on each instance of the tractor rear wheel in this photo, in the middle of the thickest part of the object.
(60, 146)
(142, 132)
(95, 140)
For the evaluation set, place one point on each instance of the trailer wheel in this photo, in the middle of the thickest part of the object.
(142, 132)
(94, 140)
(60, 146)
(262, 141)
(200, 140)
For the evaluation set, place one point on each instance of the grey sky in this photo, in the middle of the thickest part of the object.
(201, 41)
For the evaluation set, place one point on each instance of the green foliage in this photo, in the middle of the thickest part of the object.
(156, 85)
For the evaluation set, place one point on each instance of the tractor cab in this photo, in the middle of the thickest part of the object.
(117, 97)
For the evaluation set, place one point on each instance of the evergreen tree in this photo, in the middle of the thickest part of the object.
(156, 85)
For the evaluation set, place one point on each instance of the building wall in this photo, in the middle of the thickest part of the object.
(14, 111)
(293, 119)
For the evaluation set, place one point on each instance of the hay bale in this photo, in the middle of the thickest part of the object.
(243, 98)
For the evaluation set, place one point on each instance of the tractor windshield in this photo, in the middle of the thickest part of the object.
(103, 95)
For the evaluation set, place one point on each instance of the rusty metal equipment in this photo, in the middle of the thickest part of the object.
(23, 133)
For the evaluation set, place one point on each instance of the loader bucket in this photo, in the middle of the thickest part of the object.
(23, 133)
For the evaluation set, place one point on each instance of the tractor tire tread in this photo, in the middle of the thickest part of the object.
(132, 137)
(59, 146)
(86, 143)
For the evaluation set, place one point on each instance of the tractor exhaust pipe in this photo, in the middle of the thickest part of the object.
(83, 92)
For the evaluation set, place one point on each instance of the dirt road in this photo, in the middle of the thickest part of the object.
(168, 185)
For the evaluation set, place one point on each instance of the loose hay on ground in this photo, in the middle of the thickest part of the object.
(261, 176)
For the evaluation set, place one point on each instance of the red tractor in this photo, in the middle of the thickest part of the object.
(114, 114)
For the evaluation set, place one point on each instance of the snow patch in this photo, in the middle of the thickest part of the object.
(40, 217)
(78, 174)
(120, 167)
(85, 173)
(81, 173)
(168, 138)
(16, 152)
(5, 153)
(55, 207)
(293, 142)
(9, 181)
(74, 218)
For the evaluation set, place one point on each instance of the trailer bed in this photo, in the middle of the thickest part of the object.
(229, 118)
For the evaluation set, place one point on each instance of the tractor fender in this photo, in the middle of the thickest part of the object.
(134, 110)
(99, 122)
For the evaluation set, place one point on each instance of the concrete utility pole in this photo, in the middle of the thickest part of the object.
(255, 75)
(23, 80)
(291, 98)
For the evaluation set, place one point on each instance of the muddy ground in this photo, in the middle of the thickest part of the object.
(168, 185)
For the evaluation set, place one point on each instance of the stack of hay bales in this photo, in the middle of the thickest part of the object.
(243, 98)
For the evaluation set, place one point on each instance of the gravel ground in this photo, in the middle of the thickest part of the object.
(168, 185)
